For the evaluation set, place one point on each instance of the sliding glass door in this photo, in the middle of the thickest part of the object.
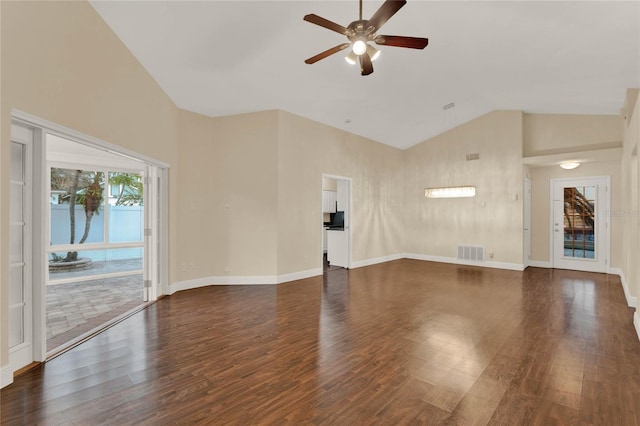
(96, 251)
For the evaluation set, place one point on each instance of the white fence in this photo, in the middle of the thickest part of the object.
(126, 225)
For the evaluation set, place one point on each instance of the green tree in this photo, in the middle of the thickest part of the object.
(92, 202)
(129, 188)
(81, 187)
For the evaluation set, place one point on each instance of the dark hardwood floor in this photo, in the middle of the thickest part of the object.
(405, 342)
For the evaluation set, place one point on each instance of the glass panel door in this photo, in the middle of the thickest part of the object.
(20, 265)
(579, 228)
(579, 222)
(17, 290)
(96, 252)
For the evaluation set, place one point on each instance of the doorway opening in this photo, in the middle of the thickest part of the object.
(336, 222)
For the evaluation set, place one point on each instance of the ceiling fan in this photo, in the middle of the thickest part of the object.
(361, 32)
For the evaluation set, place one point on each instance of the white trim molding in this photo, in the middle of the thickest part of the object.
(375, 260)
(636, 323)
(243, 280)
(443, 259)
(6, 376)
(540, 264)
(294, 276)
(84, 139)
(632, 301)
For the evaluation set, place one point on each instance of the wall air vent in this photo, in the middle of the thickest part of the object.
(474, 253)
(473, 157)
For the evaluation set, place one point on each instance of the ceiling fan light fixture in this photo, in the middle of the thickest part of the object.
(351, 58)
(362, 31)
(359, 47)
(373, 52)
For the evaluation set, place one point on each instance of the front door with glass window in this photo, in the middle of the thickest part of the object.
(580, 224)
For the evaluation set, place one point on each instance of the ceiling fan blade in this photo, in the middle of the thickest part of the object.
(327, 52)
(315, 19)
(366, 67)
(400, 41)
(386, 11)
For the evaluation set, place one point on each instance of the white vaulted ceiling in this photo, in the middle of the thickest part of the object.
(226, 57)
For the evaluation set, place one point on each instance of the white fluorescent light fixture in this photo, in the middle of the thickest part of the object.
(451, 192)
(569, 165)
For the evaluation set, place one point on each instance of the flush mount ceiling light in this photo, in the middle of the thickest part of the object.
(569, 165)
(450, 192)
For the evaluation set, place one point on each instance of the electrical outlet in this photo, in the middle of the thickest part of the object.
(183, 266)
(490, 255)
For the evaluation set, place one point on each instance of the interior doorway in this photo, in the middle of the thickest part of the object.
(580, 230)
(336, 221)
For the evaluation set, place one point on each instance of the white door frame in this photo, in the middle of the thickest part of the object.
(40, 199)
(602, 264)
(527, 223)
(348, 215)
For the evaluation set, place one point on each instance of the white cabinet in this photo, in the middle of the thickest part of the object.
(338, 248)
(324, 239)
(329, 199)
(342, 196)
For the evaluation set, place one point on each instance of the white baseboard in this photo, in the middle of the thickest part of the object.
(540, 264)
(6, 376)
(375, 260)
(636, 323)
(631, 300)
(243, 280)
(488, 264)
(294, 276)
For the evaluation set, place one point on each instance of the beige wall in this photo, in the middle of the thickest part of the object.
(309, 149)
(560, 133)
(436, 226)
(228, 199)
(251, 189)
(61, 62)
(540, 205)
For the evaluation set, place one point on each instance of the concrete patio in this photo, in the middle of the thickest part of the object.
(74, 309)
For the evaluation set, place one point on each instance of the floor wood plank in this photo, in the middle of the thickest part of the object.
(405, 342)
